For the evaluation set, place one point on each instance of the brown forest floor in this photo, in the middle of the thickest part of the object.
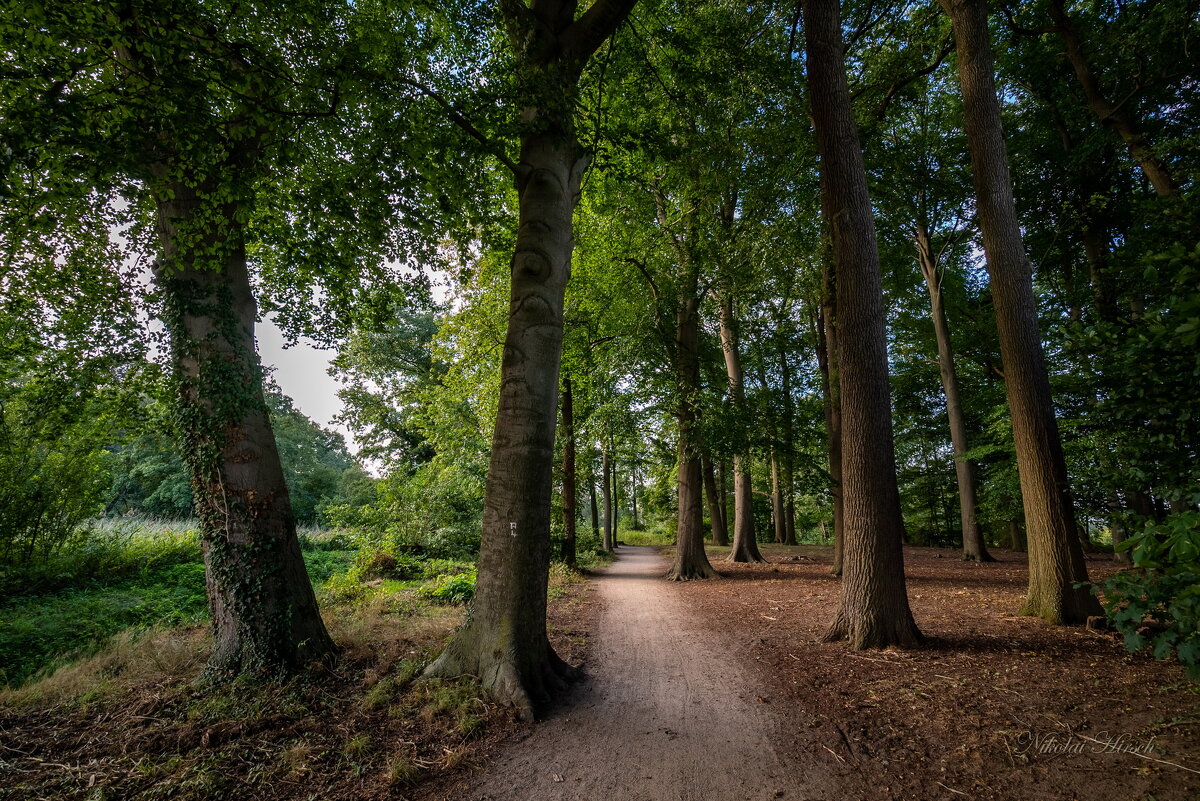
(985, 710)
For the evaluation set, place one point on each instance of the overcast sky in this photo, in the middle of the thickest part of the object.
(302, 372)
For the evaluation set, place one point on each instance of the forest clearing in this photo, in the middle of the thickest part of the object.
(599, 399)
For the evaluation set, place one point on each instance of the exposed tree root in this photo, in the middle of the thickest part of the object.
(874, 630)
(529, 685)
(692, 571)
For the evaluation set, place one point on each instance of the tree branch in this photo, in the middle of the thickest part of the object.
(586, 34)
(462, 122)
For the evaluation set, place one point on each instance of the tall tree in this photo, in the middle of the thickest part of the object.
(974, 548)
(745, 538)
(874, 611)
(187, 110)
(505, 642)
(570, 496)
(1057, 575)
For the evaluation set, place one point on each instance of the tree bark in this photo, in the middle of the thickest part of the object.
(1055, 558)
(616, 498)
(595, 510)
(504, 641)
(827, 363)
(745, 541)
(264, 613)
(974, 548)
(569, 493)
(874, 611)
(1114, 117)
(719, 534)
(633, 488)
(691, 562)
(606, 495)
(789, 444)
(777, 506)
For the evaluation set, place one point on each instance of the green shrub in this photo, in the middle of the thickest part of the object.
(1156, 603)
(345, 588)
(450, 589)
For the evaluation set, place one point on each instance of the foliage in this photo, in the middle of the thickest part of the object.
(37, 634)
(456, 588)
(1156, 603)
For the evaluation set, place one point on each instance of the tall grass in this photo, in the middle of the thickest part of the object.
(102, 552)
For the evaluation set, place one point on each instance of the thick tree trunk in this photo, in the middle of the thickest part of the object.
(874, 611)
(504, 642)
(974, 548)
(1055, 558)
(691, 562)
(827, 362)
(720, 535)
(1117, 118)
(569, 499)
(264, 613)
(606, 496)
(745, 542)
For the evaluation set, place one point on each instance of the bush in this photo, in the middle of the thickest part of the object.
(450, 589)
(1156, 603)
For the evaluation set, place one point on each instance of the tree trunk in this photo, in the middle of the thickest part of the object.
(777, 507)
(1016, 535)
(974, 548)
(616, 499)
(874, 611)
(722, 491)
(606, 494)
(1116, 527)
(720, 535)
(504, 642)
(1117, 118)
(592, 498)
(789, 440)
(827, 362)
(745, 541)
(264, 613)
(691, 562)
(569, 513)
(1055, 558)
(633, 488)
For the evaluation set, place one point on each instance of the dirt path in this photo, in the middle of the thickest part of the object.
(666, 712)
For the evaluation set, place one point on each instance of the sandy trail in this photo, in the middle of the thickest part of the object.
(663, 714)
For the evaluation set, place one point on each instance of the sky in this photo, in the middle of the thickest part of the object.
(303, 373)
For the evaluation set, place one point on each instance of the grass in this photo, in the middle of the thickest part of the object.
(134, 576)
(127, 709)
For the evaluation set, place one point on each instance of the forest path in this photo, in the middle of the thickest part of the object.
(665, 713)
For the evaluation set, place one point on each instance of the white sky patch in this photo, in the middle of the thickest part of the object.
(302, 371)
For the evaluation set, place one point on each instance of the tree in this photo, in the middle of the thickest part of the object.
(570, 495)
(745, 543)
(874, 611)
(1056, 569)
(504, 642)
